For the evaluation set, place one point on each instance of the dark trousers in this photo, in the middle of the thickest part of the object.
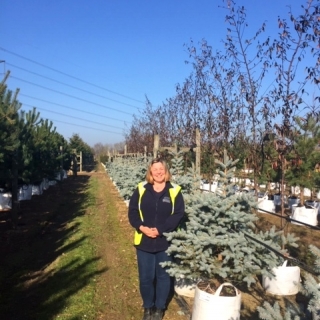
(155, 282)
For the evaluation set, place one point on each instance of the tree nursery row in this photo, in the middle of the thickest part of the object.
(257, 97)
(218, 248)
(31, 151)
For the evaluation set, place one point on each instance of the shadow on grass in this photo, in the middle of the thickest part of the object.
(31, 285)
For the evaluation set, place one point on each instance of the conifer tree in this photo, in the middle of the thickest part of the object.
(304, 156)
(76, 143)
(28, 166)
(188, 180)
(217, 239)
(311, 287)
(132, 172)
(274, 312)
(126, 173)
(9, 107)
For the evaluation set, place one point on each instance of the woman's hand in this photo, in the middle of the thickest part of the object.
(156, 232)
(149, 232)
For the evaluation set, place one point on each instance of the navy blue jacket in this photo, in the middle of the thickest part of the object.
(156, 211)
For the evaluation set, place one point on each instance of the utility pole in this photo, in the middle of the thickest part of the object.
(155, 146)
(74, 162)
(80, 161)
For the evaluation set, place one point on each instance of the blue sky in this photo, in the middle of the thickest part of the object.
(88, 65)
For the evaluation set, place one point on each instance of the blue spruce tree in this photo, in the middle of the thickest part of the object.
(216, 241)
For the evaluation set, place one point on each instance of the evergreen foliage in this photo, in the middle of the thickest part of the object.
(133, 174)
(76, 143)
(269, 172)
(46, 152)
(218, 238)
(309, 288)
(214, 242)
(273, 312)
(30, 148)
(127, 173)
(9, 128)
(304, 156)
(186, 179)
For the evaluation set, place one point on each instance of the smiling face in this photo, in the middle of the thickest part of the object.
(158, 172)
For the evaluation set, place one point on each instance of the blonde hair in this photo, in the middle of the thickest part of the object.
(167, 176)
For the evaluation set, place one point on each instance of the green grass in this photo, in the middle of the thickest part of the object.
(52, 273)
(76, 268)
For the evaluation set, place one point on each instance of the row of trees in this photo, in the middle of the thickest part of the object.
(258, 95)
(30, 148)
(219, 238)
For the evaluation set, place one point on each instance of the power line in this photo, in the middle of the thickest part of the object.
(70, 86)
(70, 76)
(73, 117)
(71, 96)
(71, 108)
(78, 125)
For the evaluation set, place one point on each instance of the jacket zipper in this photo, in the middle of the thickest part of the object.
(155, 240)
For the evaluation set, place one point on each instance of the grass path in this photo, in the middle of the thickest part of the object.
(71, 257)
(118, 287)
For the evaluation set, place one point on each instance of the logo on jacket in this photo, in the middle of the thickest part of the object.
(166, 199)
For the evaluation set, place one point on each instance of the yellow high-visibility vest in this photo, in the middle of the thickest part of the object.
(173, 194)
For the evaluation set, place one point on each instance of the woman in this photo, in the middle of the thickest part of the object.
(156, 207)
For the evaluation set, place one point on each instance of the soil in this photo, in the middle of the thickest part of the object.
(45, 217)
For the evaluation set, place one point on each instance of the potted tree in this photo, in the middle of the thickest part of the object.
(188, 179)
(267, 173)
(304, 158)
(285, 281)
(213, 245)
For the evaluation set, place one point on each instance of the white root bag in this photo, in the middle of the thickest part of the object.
(265, 204)
(46, 184)
(5, 201)
(208, 306)
(25, 192)
(306, 215)
(37, 189)
(286, 281)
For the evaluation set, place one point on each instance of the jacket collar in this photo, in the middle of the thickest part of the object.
(149, 186)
